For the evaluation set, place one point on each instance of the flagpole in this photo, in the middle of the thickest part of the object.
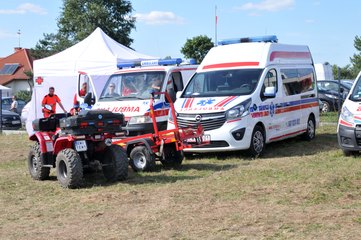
(215, 25)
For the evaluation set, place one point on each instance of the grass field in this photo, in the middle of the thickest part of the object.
(298, 190)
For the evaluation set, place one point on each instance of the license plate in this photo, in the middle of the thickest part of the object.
(15, 122)
(205, 138)
(80, 146)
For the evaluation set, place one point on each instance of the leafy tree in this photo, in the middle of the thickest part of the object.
(356, 59)
(197, 47)
(24, 95)
(79, 18)
(345, 72)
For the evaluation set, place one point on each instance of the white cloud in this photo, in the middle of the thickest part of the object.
(25, 8)
(268, 5)
(159, 18)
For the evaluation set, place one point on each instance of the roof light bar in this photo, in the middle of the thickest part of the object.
(147, 63)
(269, 38)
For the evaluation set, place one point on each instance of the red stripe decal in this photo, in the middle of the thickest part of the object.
(287, 135)
(260, 114)
(281, 54)
(358, 118)
(347, 124)
(231, 64)
(224, 101)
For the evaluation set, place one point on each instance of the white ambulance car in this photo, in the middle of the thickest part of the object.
(128, 91)
(251, 91)
(349, 123)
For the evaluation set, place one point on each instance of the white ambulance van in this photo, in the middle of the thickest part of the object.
(129, 90)
(251, 91)
(349, 122)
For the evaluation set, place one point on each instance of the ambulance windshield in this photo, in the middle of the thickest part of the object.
(137, 85)
(223, 83)
(356, 93)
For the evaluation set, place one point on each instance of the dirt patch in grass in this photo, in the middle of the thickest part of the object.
(298, 190)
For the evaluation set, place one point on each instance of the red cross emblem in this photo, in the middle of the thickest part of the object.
(39, 80)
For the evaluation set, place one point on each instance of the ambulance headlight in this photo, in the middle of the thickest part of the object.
(346, 114)
(241, 110)
(140, 119)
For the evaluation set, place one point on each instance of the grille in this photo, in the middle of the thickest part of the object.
(209, 121)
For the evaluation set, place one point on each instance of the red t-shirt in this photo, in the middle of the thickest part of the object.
(51, 100)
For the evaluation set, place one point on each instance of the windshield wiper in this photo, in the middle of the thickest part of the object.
(130, 97)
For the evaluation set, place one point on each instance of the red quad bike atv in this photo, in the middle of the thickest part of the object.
(166, 145)
(76, 143)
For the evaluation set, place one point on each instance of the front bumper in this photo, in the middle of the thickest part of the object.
(349, 138)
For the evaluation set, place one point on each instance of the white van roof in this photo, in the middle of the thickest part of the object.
(254, 55)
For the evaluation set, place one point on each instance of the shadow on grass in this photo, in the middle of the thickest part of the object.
(292, 147)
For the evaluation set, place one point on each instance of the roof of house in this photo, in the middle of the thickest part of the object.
(13, 66)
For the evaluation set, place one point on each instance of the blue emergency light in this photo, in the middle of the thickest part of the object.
(147, 63)
(269, 38)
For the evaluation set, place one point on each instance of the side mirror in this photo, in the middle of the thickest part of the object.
(178, 94)
(270, 92)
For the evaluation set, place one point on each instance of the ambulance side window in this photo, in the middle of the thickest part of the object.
(270, 81)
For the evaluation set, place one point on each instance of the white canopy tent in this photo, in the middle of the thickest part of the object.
(5, 91)
(97, 55)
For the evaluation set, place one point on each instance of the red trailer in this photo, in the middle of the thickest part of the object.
(166, 145)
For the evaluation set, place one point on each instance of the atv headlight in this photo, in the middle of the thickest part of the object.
(140, 119)
(331, 96)
(346, 114)
(241, 110)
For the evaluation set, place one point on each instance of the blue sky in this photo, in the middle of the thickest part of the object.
(162, 27)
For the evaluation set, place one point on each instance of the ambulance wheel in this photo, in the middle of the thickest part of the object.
(171, 157)
(258, 144)
(311, 129)
(115, 163)
(35, 165)
(141, 159)
(349, 153)
(69, 168)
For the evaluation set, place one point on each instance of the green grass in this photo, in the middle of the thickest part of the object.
(297, 190)
(331, 117)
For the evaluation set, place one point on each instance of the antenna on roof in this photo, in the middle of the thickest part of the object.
(19, 36)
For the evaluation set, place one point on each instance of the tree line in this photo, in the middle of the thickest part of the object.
(79, 18)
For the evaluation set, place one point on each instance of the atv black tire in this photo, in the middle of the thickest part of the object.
(69, 168)
(171, 157)
(115, 164)
(141, 159)
(35, 164)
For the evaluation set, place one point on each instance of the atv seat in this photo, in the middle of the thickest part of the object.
(48, 124)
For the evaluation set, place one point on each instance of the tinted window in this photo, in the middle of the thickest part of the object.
(296, 81)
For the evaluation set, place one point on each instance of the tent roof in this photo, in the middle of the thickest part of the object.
(96, 53)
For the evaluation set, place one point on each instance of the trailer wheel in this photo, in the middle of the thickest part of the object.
(172, 157)
(35, 165)
(141, 159)
(257, 142)
(69, 168)
(115, 163)
(311, 129)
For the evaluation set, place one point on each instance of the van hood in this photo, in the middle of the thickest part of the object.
(207, 104)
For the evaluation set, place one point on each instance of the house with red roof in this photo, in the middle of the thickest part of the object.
(13, 68)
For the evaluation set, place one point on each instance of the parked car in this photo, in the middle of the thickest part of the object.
(6, 104)
(10, 120)
(328, 93)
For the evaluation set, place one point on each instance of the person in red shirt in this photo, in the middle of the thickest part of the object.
(51, 99)
(83, 89)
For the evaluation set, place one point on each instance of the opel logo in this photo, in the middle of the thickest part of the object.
(198, 118)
